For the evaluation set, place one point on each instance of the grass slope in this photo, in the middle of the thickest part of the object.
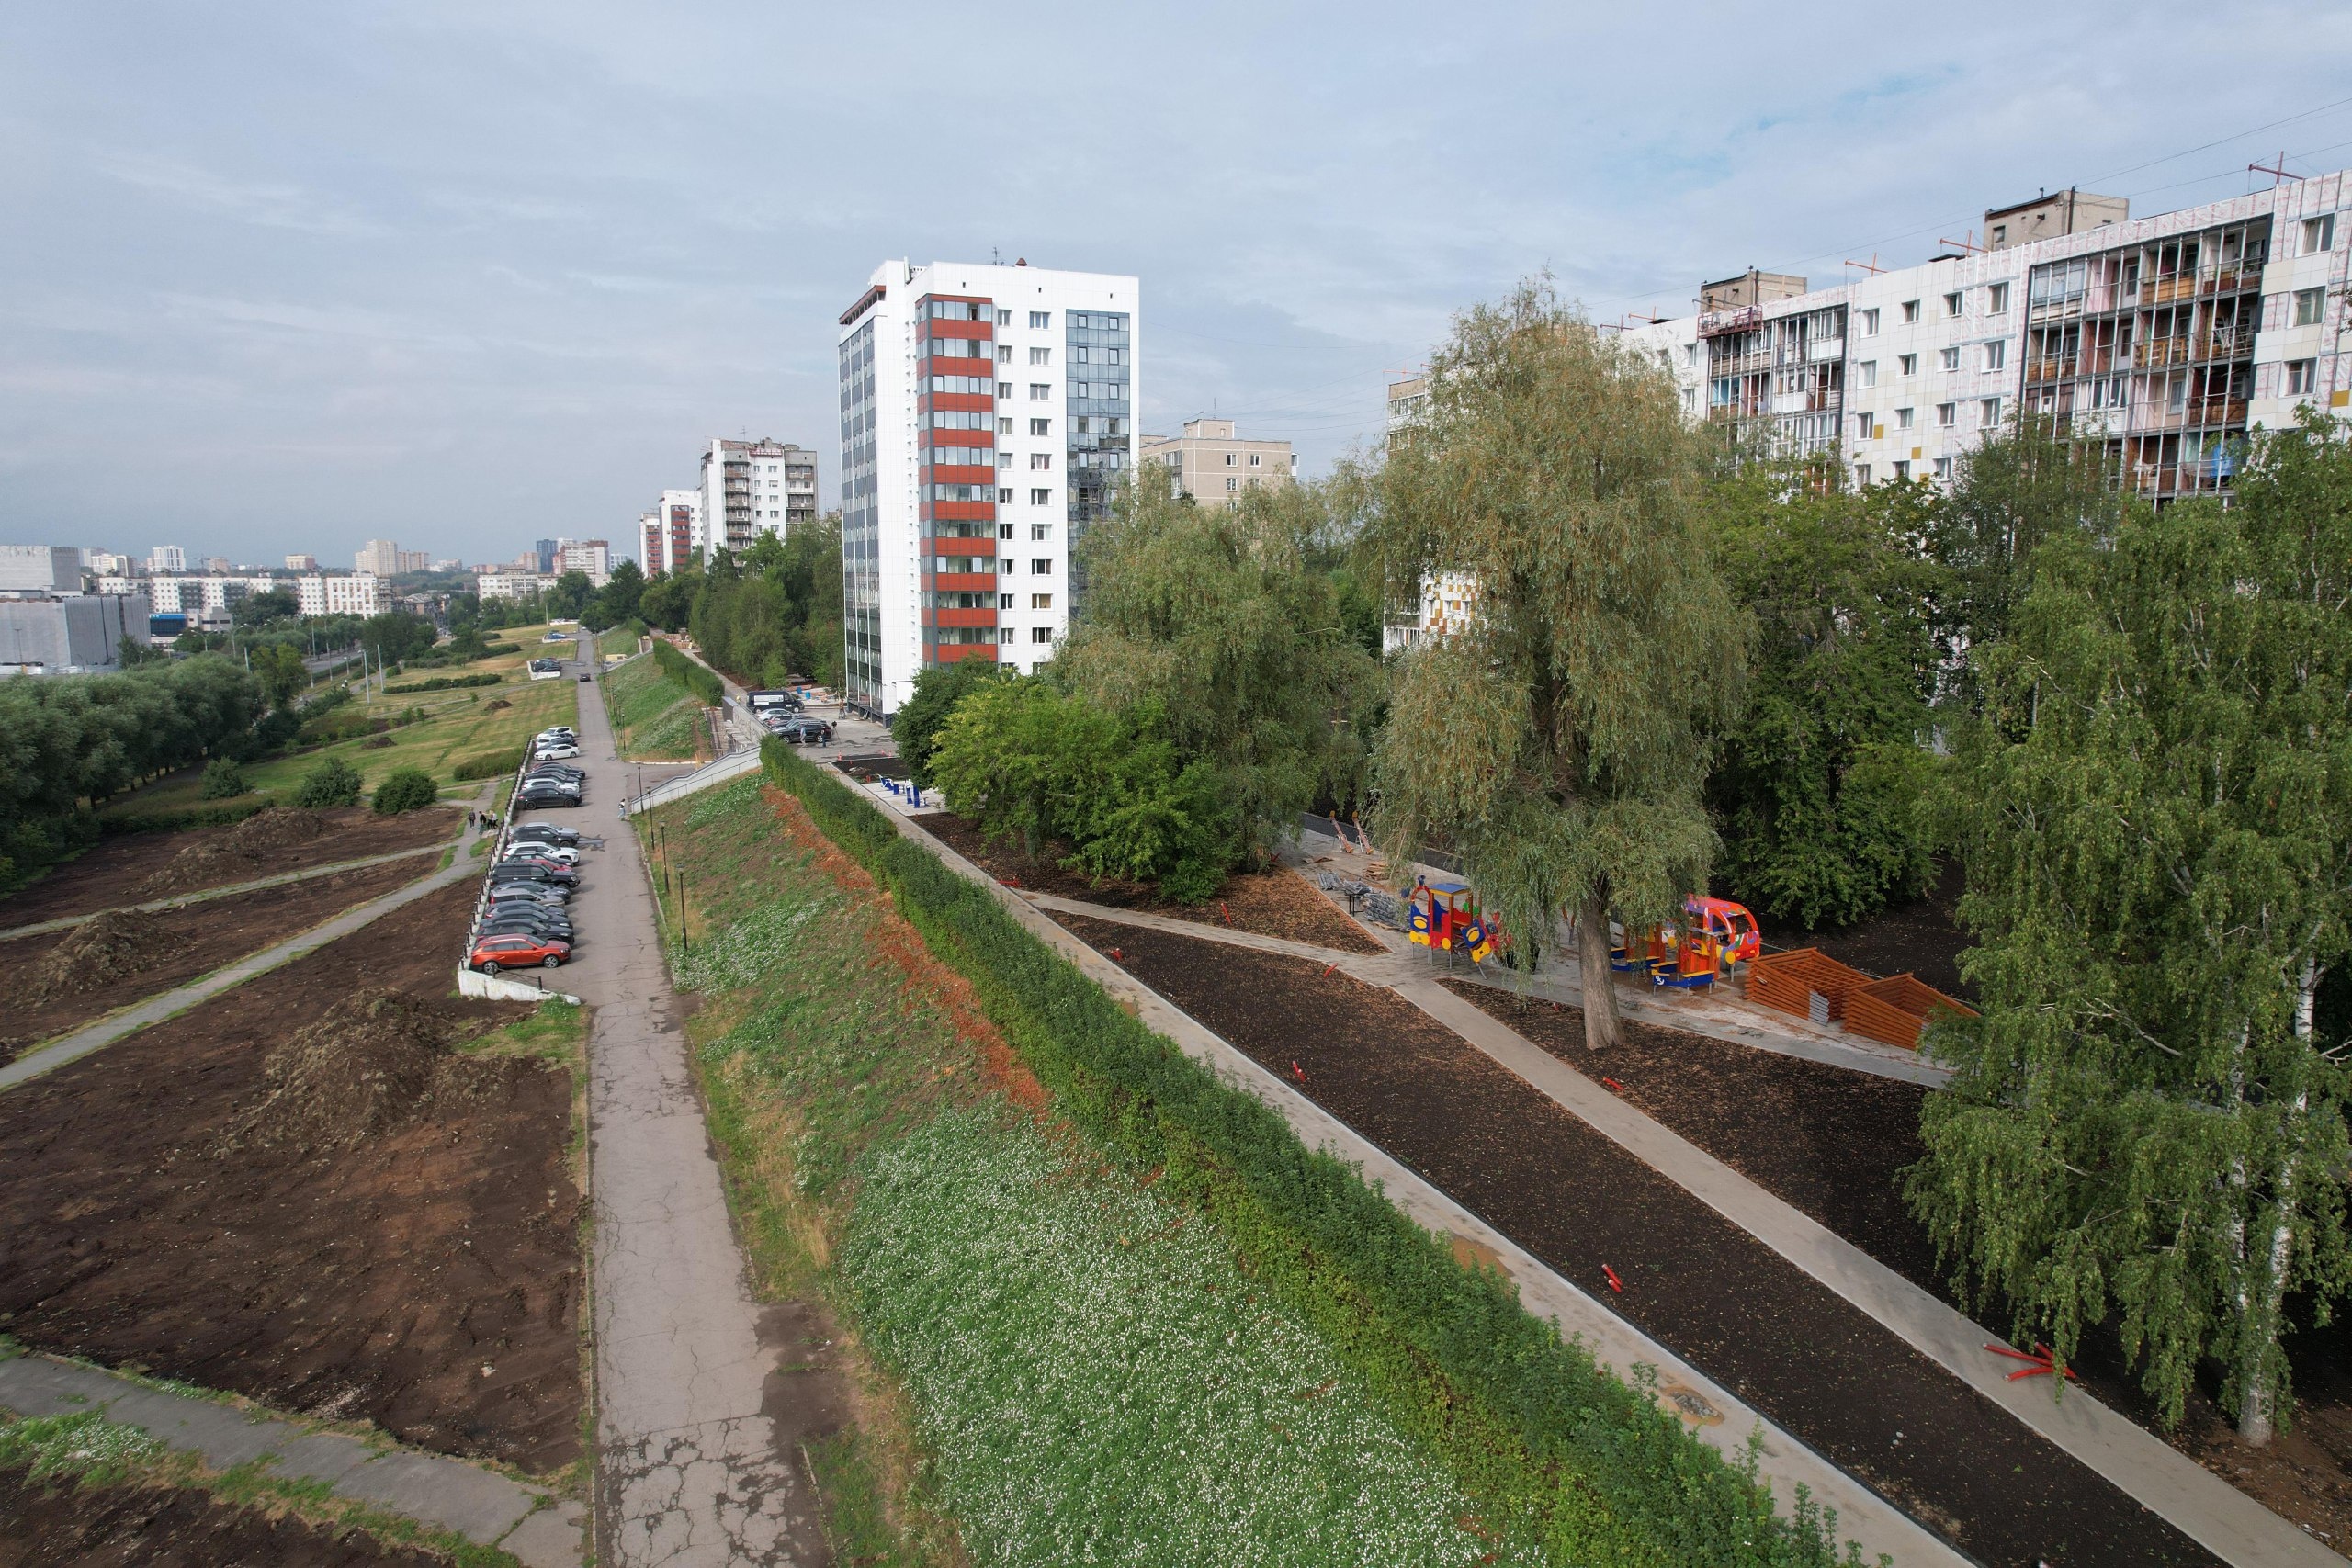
(1084, 1370)
(653, 716)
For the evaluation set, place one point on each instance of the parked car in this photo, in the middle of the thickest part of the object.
(804, 731)
(583, 675)
(551, 779)
(520, 847)
(518, 951)
(556, 871)
(532, 896)
(548, 831)
(504, 882)
(553, 750)
(557, 732)
(535, 798)
(556, 769)
(523, 923)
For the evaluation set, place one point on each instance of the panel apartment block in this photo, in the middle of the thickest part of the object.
(986, 411)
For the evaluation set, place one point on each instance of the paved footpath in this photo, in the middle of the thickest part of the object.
(66, 922)
(690, 1467)
(154, 1009)
(2176, 1488)
(485, 1507)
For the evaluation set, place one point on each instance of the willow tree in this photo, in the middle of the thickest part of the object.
(1556, 740)
(2156, 818)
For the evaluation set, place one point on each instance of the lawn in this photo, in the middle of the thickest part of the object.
(654, 718)
(1090, 1372)
(432, 730)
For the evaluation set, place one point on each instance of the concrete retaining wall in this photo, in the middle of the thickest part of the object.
(499, 988)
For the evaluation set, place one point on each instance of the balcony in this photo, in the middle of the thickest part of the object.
(2161, 351)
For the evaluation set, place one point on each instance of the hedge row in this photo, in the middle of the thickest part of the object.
(694, 677)
(443, 683)
(486, 765)
(227, 816)
(1562, 1452)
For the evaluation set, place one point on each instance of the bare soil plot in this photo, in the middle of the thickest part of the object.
(1833, 1142)
(421, 1273)
(1921, 937)
(112, 873)
(54, 1524)
(1690, 1279)
(1278, 903)
(62, 980)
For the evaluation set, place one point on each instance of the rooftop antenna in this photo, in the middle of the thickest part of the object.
(1870, 267)
(2278, 173)
(1967, 247)
(996, 257)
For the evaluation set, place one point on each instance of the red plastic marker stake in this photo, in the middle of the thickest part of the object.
(2042, 1363)
(1614, 1087)
(1118, 957)
(1226, 912)
(1013, 882)
(1298, 1071)
(1327, 970)
(1614, 1283)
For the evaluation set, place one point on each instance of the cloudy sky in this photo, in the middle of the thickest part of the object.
(286, 276)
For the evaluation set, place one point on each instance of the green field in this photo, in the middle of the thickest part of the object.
(432, 730)
(655, 719)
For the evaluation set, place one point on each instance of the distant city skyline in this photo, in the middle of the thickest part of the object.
(286, 279)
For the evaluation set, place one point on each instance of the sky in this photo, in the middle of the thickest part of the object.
(280, 277)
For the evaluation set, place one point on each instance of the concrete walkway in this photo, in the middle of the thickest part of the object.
(66, 922)
(690, 1469)
(2192, 1499)
(154, 1009)
(484, 1506)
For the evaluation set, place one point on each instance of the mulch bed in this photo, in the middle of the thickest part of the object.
(1921, 937)
(1832, 1143)
(1278, 903)
(1752, 1320)
(110, 874)
(427, 1280)
(55, 1524)
(183, 944)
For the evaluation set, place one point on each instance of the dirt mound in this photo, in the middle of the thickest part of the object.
(97, 954)
(377, 1062)
(495, 704)
(240, 854)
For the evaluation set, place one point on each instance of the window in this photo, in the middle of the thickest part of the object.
(1690, 354)
(1004, 427)
(1041, 319)
(1040, 531)
(2000, 234)
(1041, 460)
(1943, 470)
(1228, 459)
(1901, 472)
(1041, 601)
(1866, 324)
(1004, 318)
(1903, 417)
(1910, 363)
(1947, 416)
(1996, 298)
(1038, 355)
(2302, 375)
(1996, 354)
(1232, 484)
(1861, 473)
(1870, 372)
(1041, 566)
(1951, 303)
(1004, 389)
(1004, 601)
(1004, 459)
(1254, 460)
(2319, 234)
(1041, 498)
(1004, 497)
(1036, 427)
(1040, 391)
(1005, 530)
(2310, 305)
(1910, 310)
(1041, 634)
(1988, 412)
(1004, 353)
(1948, 359)
(1861, 427)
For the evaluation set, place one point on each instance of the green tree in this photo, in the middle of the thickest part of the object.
(224, 780)
(332, 783)
(1216, 621)
(1008, 754)
(1557, 742)
(622, 591)
(405, 789)
(1819, 776)
(2156, 814)
(915, 727)
(279, 669)
(569, 596)
(260, 609)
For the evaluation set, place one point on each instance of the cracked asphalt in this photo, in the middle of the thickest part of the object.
(697, 1456)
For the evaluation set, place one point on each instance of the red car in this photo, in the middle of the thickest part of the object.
(492, 953)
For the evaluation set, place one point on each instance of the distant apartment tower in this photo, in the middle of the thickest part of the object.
(382, 557)
(41, 569)
(750, 488)
(670, 533)
(168, 557)
(111, 563)
(1214, 466)
(542, 555)
(594, 557)
(302, 563)
(491, 585)
(2168, 339)
(986, 411)
(336, 593)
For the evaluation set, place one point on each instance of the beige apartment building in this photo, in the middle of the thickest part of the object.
(1214, 466)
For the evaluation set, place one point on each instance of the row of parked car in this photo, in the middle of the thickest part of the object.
(523, 921)
(786, 716)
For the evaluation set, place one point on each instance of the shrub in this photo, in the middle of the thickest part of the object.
(224, 780)
(694, 677)
(1527, 1418)
(226, 816)
(332, 783)
(443, 683)
(405, 789)
(485, 765)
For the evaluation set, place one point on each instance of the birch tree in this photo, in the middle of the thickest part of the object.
(2156, 816)
(1557, 741)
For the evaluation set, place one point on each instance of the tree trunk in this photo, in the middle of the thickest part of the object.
(1601, 1030)
(2257, 1400)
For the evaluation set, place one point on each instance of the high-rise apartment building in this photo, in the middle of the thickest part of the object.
(2169, 339)
(750, 488)
(168, 557)
(594, 557)
(382, 557)
(358, 594)
(1214, 466)
(302, 563)
(986, 411)
(669, 536)
(542, 555)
